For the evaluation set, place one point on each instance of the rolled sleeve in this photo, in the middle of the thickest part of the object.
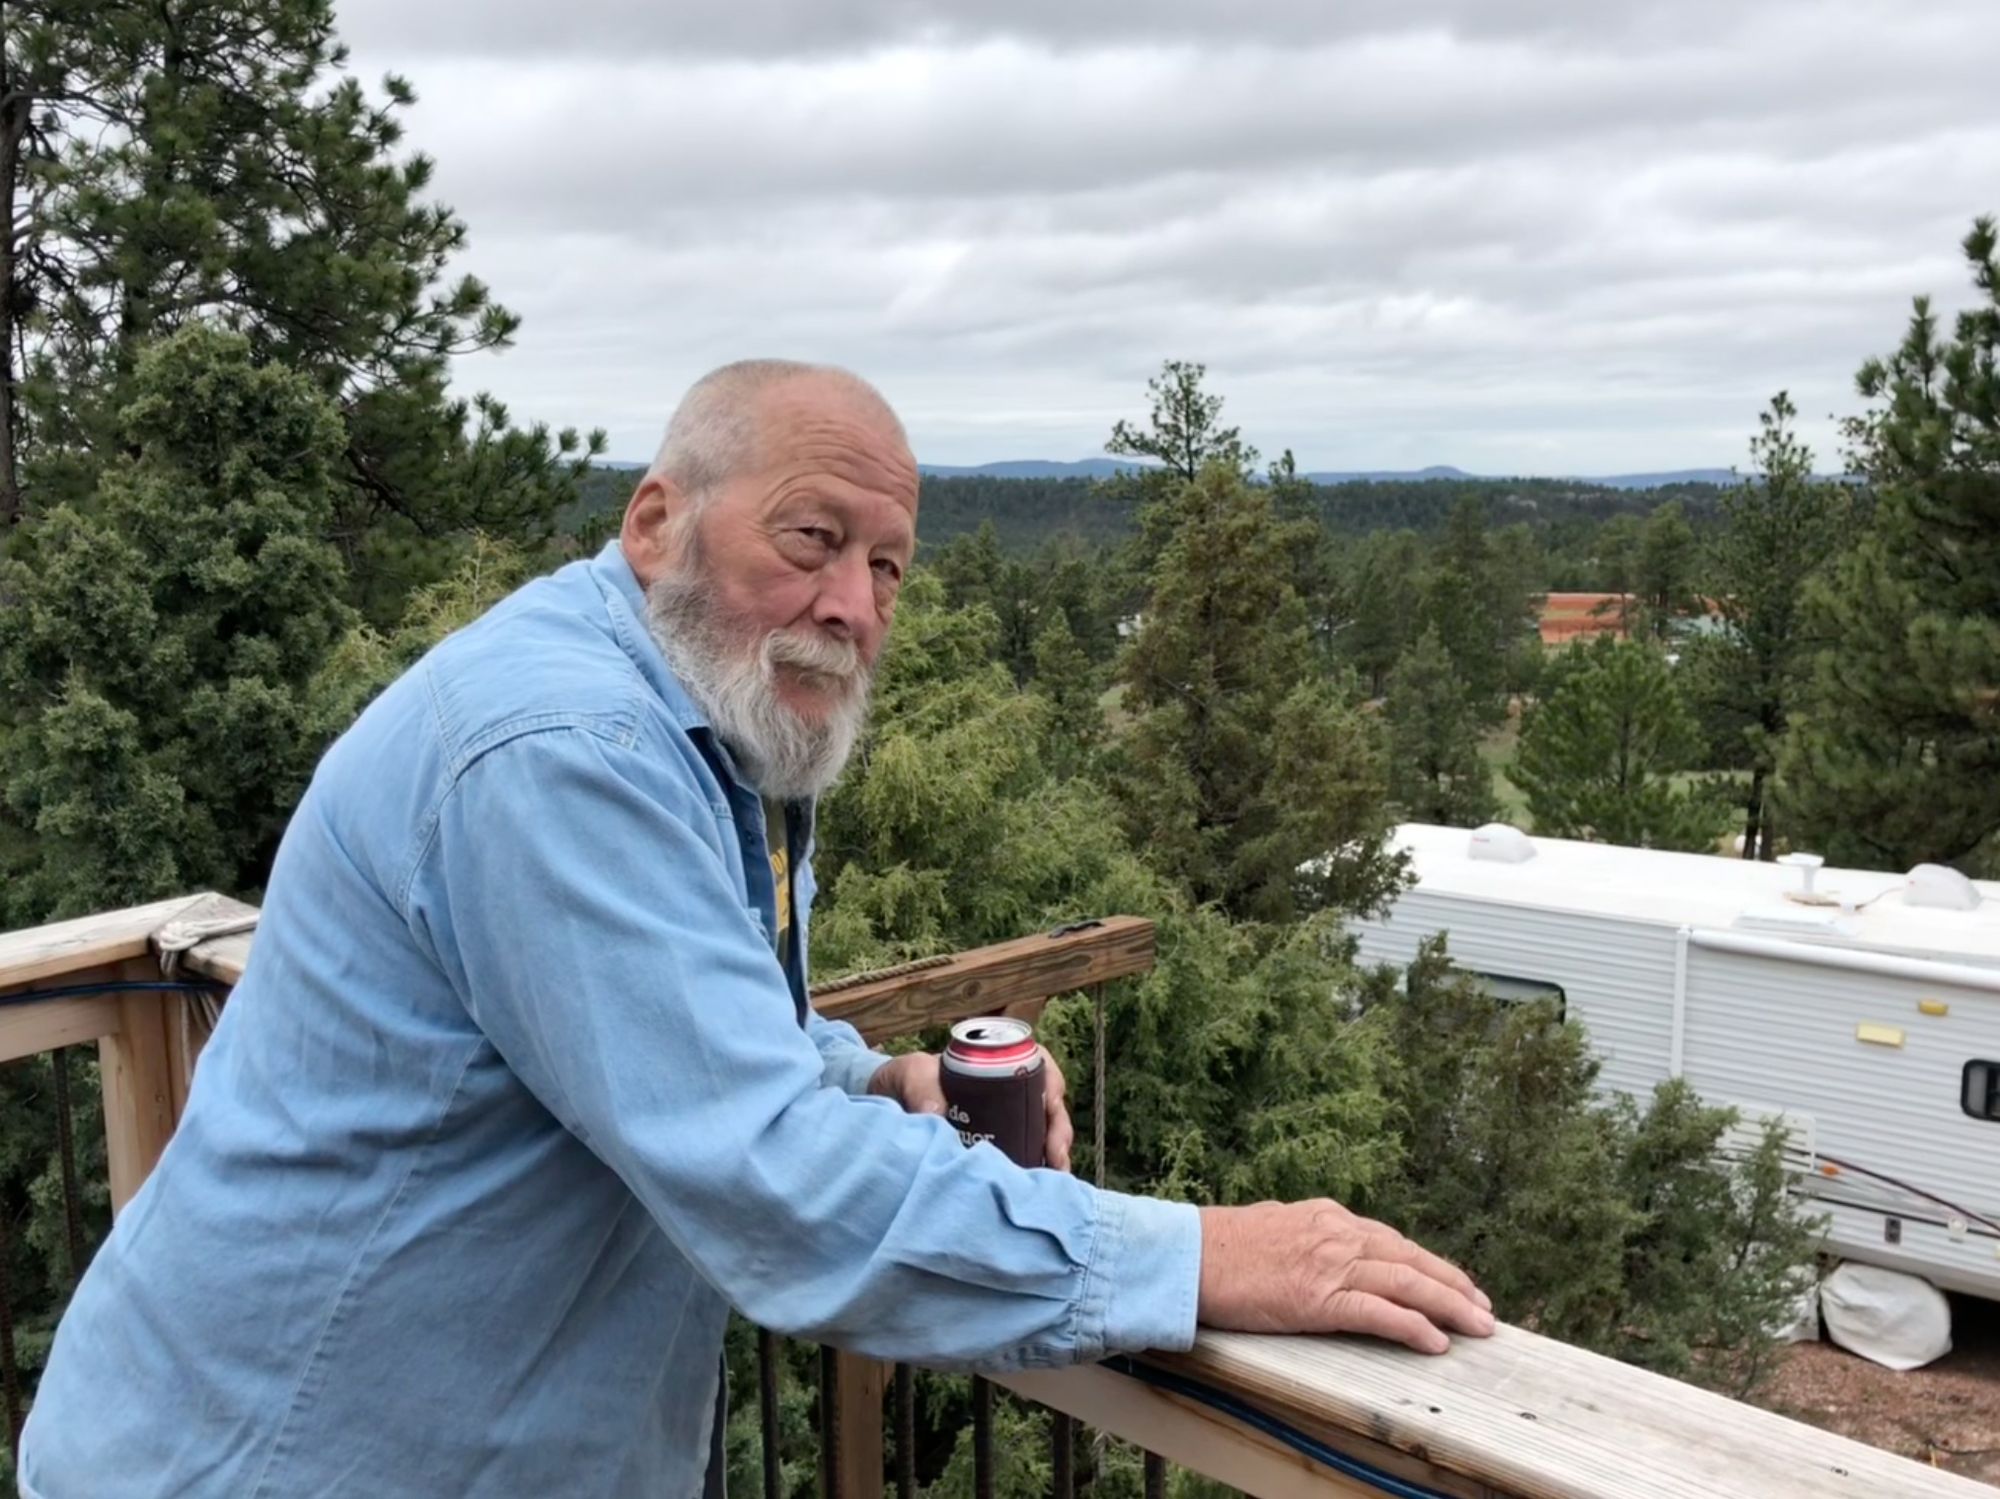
(1144, 1276)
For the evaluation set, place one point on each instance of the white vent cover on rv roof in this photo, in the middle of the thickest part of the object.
(1941, 886)
(1500, 844)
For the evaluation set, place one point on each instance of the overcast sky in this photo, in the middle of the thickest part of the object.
(1521, 236)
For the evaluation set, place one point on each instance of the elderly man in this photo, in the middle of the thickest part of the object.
(522, 1090)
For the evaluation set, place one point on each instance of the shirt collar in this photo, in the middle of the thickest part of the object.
(620, 586)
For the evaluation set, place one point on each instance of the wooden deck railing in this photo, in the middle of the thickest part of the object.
(1512, 1417)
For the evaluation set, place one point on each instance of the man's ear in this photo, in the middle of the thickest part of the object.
(644, 536)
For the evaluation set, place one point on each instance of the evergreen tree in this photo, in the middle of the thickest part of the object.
(220, 167)
(1315, 568)
(1517, 585)
(1481, 600)
(1183, 435)
(53, 63)
(1381, 597)
(1668, 557)
(1435, 770)
(1599, 753)
(1066, 681)
(1183, 432)
(1617, 1227)
(1894, 755)
(1778, 530)
(1246, 764)
(1620, 544)
(161, 639)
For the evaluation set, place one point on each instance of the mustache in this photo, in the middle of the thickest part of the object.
(819, 655)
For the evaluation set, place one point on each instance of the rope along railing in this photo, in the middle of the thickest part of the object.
(1511, 1417)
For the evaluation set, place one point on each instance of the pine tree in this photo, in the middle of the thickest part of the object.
(1668, 557)
(1066, 681)
(1380, 594)
(1246, 763)
(1480, 600)
(1616, 1226)
(220, 167)
(1183, 432)
(1436, 773)
(1778, 530)
(1599, 752)
(162, 637)
(1182, 436)
(1894, 755)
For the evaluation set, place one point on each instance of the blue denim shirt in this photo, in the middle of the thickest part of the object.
(514, 1103)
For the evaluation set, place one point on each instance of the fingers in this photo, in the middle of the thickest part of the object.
(1404, 1285)
(1061, 1133)
(1384, 1243)
(1357, 1311)
(918, 1084)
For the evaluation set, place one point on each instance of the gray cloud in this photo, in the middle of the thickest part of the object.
(1552, 235)
(791, 28)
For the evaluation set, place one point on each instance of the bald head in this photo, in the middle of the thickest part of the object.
(722, 427)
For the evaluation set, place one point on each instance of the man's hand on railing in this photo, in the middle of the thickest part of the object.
(1299, 1267)
(912, 1080)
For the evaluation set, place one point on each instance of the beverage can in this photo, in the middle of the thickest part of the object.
(992, 1074)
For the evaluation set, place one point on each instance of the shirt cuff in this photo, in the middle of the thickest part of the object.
(1144, 1275)
(851, 1068)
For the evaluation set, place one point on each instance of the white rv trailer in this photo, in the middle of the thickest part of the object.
(1862, 1007)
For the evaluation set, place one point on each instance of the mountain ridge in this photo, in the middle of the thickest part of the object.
(1104, 468)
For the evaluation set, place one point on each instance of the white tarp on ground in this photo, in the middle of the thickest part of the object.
(1803, 1324)
(1899, 1321)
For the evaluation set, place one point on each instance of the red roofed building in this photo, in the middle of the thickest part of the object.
(1578, 616)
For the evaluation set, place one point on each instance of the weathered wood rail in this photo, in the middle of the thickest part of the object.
(1512, 1417)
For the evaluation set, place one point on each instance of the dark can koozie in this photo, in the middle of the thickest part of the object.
(993, 1076)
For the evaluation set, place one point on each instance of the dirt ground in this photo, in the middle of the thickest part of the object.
(1947, 1414)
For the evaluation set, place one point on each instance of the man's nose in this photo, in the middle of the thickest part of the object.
(845, 605)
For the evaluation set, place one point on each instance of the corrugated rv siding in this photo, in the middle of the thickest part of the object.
(1766, 1032)
(1618, 976)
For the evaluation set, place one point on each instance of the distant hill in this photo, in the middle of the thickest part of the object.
(1032, 468)
(1392, 475)
(1724, 477)
(1103, 468)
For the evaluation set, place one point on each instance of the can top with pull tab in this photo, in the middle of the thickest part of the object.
(992, 1046)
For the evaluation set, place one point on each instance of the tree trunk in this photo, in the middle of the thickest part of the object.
(1754, 832)
(14, 115)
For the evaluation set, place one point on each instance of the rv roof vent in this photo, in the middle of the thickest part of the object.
(1807, 865)
(1501, 844)
(1941, 886)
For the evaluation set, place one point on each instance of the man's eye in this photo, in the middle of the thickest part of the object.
(888, 569)
(818, 535)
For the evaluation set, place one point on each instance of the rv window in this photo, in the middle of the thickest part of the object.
(1518, 991)
(1979, 1094)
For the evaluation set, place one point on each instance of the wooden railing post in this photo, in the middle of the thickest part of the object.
(861, 1383)
(136, 1063)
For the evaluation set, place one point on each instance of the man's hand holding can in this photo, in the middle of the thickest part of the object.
(916, 1082)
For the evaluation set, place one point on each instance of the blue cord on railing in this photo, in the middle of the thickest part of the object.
(132, 986)
(1270, 1426)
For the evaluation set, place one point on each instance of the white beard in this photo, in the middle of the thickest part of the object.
(785, 756)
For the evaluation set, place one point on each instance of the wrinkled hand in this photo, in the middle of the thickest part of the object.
(1298, 1267)
(912, 1080)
